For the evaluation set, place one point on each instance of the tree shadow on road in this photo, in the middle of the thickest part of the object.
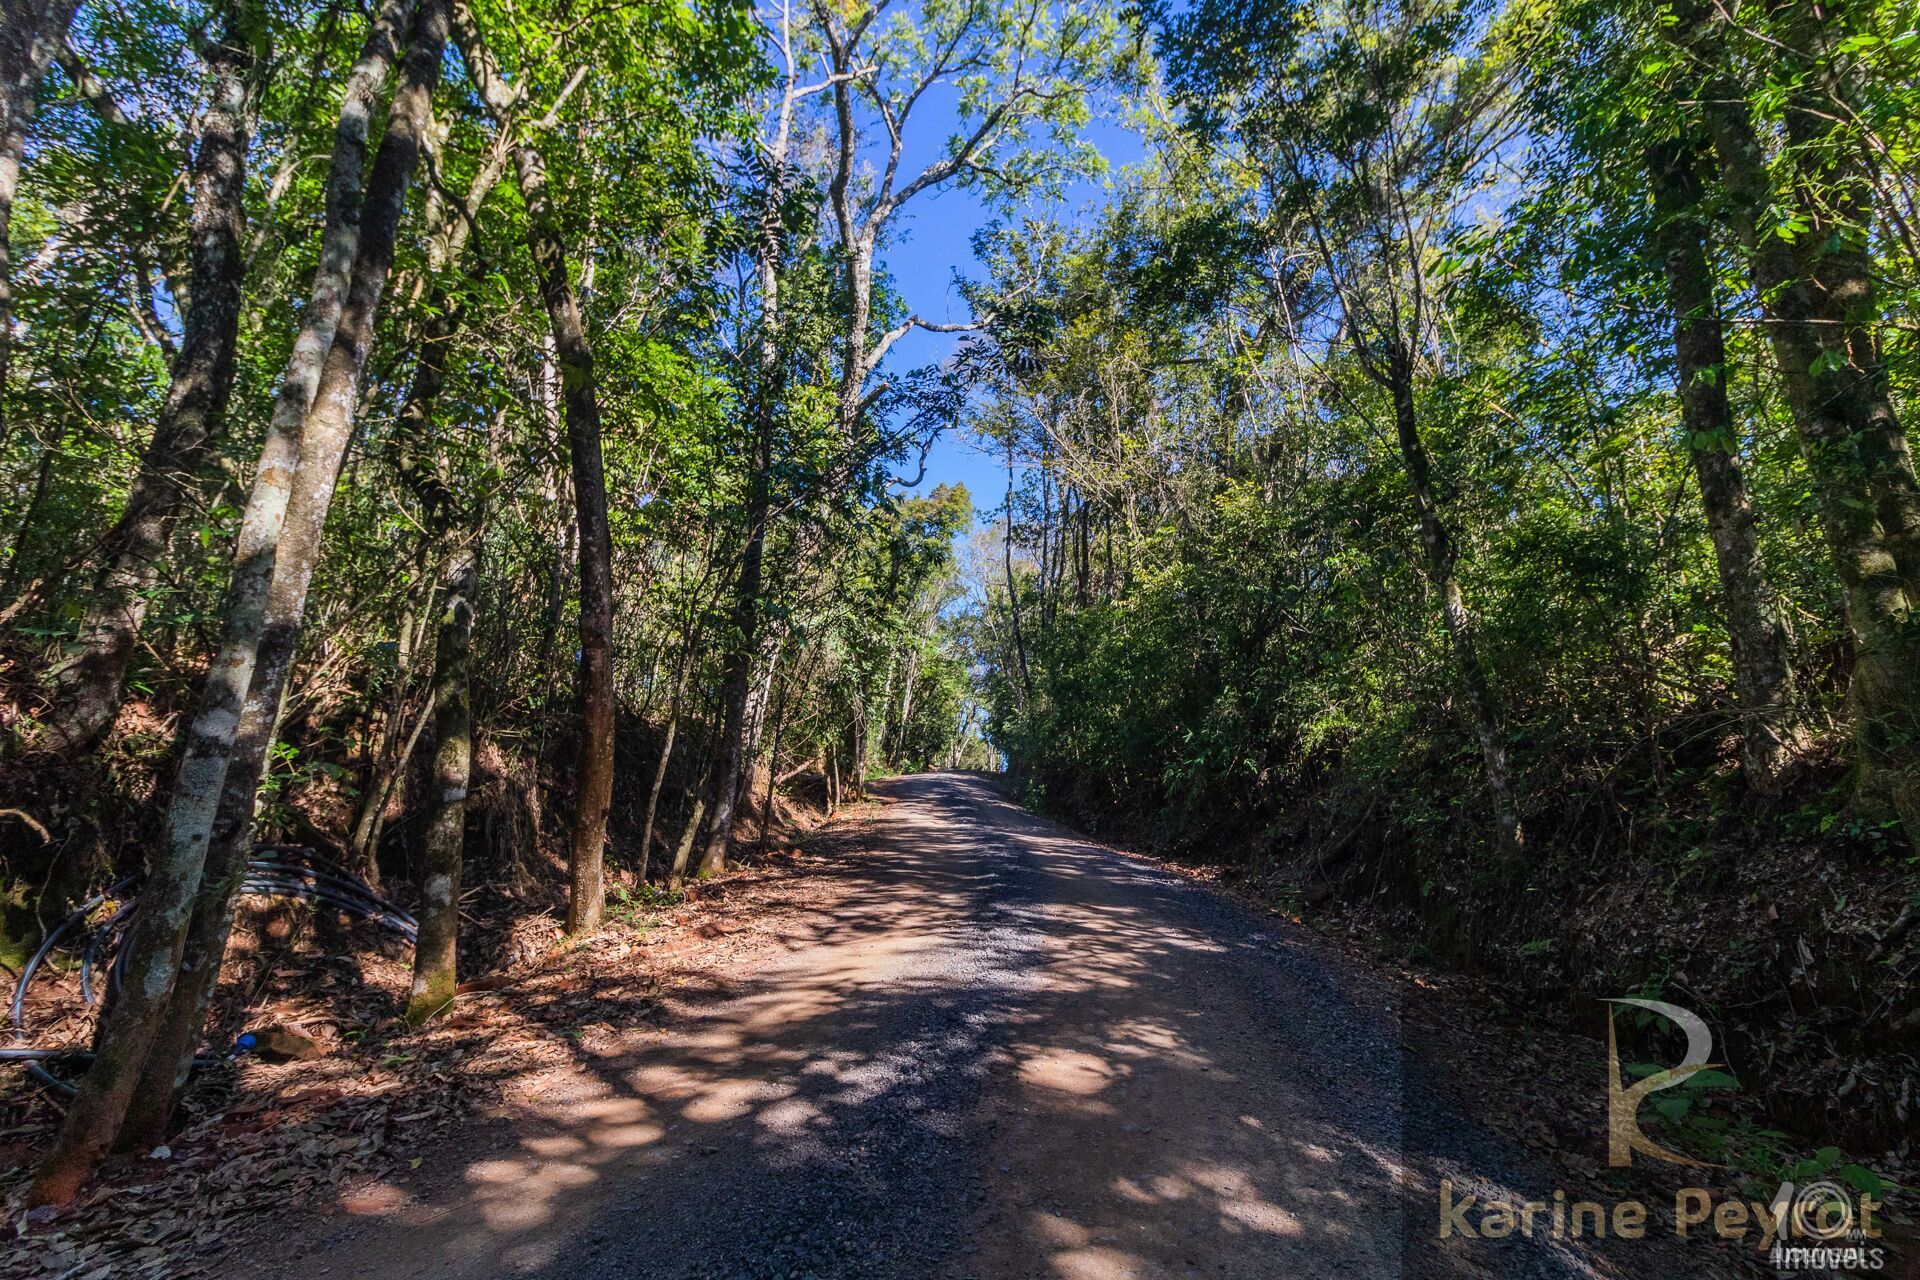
(992, 1050)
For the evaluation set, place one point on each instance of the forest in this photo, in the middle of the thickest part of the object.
(1454, 479)
(1458, 483)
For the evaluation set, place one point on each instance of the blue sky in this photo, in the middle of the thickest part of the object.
(933, 245)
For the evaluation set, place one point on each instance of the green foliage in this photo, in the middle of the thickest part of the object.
(652, 122)
(638, 908)
(1359, 386)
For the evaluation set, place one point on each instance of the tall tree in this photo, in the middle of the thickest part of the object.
(1808, 247)
(770, 261)
(89, 683)
(1027, 71)
(32, 34)
(1602, 86)
(586, 898)
(1762, 677)
(230, 737)
(1373, 147)
(435, 955)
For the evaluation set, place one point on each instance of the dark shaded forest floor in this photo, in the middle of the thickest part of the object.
(1789, 925)
(260, 1138)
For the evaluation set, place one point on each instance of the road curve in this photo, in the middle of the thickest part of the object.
(1004, 1052)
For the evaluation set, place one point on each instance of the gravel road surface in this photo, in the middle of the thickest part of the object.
(996, 1049)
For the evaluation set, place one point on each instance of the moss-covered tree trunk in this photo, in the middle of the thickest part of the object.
(198, 865)
(586, 881)
(435, 969)
(1763, 684)
(1818, 306)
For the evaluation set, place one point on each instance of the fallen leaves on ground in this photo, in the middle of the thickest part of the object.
(261, 1137)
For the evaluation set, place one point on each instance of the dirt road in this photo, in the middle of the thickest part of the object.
(999, 1051)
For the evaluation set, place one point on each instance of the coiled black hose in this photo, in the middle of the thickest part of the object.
(277, 871)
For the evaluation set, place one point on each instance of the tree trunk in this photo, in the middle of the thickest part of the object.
(279, 544)
(833, 780)
(683, 852)
(857, 755)
(1462, 629)
(736, 682)
(1762, 677)
(32, 33)
(87, 688)
(653, 792)
(736, 685)
(773, 764)
(425, 471)
(196, 808)
(364, 851)
(1818, 308)
(435, 974)
(328, 431)
(757, 703)
(586, 896)
(856, 245)
(1024, 688)
(574, 358)
(906, 710)
(854, 358)
(873, 736)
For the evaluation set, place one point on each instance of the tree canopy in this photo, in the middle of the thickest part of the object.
(1466, 449)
